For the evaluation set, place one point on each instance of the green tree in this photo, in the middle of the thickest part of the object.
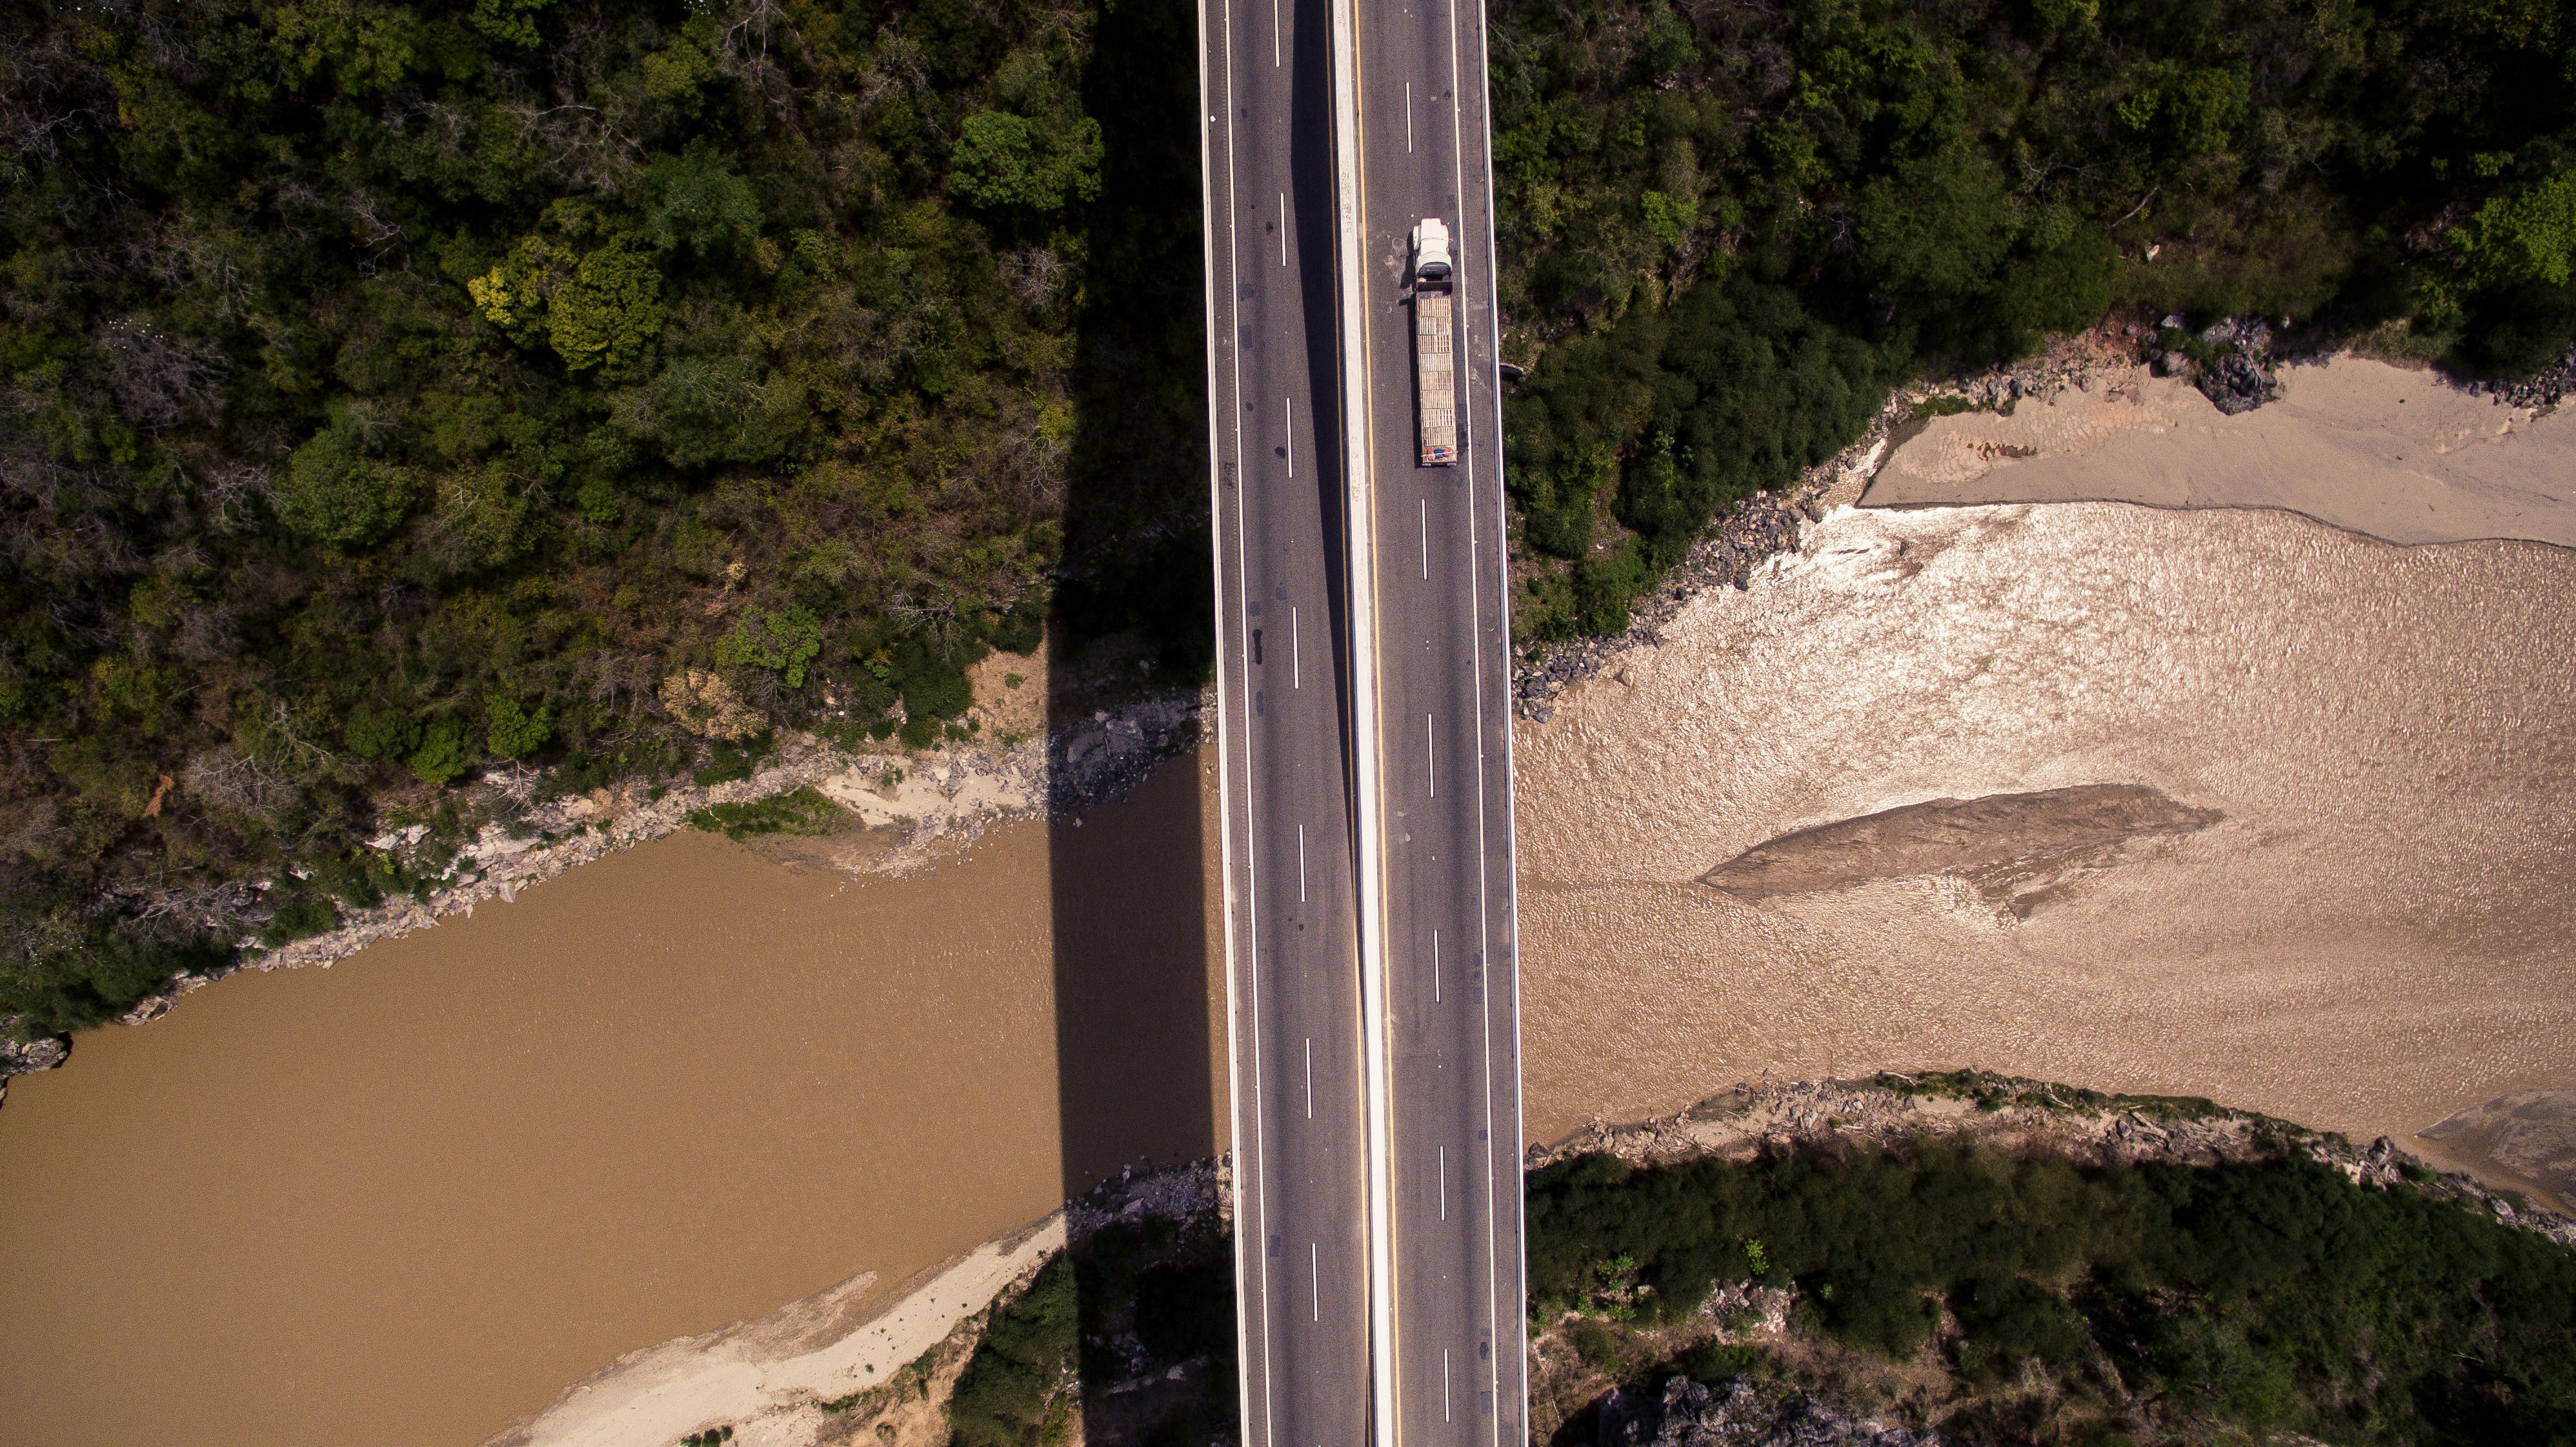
(443, 754)
(697, 200)
(607, 311)
(1939, 226)
(1025, 1360)
(381, 734)
(334, 493)
(782, 640)
(1004, 161)
(511, 22)
(510, 731)
(2526, 237)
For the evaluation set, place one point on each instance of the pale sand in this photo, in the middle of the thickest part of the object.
(2360, 444)
(768, 1379)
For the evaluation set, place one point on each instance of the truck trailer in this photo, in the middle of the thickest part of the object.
(1435, 368)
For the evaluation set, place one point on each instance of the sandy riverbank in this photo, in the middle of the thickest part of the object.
(788, 1378)
(776, 1381)
(2363, 445)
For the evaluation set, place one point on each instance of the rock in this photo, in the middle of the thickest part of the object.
(1740, 1414)
(2237, 383)
(26, 1057)
(146, 1010)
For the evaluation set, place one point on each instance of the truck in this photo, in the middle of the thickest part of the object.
(1435, 367)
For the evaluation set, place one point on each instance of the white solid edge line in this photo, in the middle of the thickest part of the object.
(1361, 578)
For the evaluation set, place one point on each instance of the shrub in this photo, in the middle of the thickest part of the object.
(1185, 1311)
(806, 811)
(443, 753)
(1024, 1362)
(297, 916)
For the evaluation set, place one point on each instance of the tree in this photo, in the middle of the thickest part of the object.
(1004, 161)
(2523, 238)
(608, 311)
(443, 753)
(333, 493)
(697, 201)
(510, 731)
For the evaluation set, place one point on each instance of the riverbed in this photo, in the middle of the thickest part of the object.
(2340, 894)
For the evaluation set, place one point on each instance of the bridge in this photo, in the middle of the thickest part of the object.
(1364, 728)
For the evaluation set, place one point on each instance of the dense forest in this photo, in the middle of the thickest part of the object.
(548, 392)
(1997, 1300)
(1726, 229)
(400, 393)
(2160, 1303)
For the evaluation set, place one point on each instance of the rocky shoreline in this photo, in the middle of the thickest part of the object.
(941, 798)
(2233, 362)
(1770, 524)
(2089, 1128)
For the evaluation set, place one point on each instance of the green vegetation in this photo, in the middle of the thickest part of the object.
(2156, 1303)
(1131, 1305)
(804, 811)
(1728, 230)
(1022, 1373)
(401, 391)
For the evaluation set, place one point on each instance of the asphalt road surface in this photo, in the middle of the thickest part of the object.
(1445, 741)
(1453, 1112)
(1291, 881)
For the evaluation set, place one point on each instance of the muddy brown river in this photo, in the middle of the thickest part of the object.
(2221, 803)
(2336, 885)
(409, 1199)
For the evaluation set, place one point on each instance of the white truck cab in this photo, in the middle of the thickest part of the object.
(1431, 249)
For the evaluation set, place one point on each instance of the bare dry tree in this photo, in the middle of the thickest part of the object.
(158, 378)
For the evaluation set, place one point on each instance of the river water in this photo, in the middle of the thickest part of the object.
(409, 1199)
(2378, 929)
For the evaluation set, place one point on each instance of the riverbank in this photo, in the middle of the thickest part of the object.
(2352, 442)
(816, 1372)
(908, 808)
(2021, 1118)
(828, 1368)
(1902, 1260)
